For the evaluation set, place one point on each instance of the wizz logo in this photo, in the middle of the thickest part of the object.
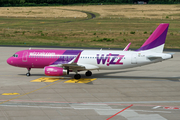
(114, 59)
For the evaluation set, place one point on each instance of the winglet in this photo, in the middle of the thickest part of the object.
(75, 60)
(127, 47)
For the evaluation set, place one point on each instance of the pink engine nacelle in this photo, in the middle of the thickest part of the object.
(55, 71)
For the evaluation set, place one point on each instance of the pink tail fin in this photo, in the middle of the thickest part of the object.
(157, 39)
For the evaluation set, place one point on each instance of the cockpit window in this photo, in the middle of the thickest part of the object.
(15, 55)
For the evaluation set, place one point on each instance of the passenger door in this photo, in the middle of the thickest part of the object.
(25, 55)
(134, 58)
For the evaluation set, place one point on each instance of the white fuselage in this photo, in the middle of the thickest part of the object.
(104, 59)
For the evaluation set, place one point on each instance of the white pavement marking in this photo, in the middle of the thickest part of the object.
(156, 107)
(91, 107)
(133, 102)
(128, 114)
(131, 115)
(36, 106)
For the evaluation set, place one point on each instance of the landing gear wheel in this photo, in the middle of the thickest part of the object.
(77, 76)
(28, 74)
(88, 73)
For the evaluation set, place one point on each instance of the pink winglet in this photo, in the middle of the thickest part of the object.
(127, 47)
(77, 58)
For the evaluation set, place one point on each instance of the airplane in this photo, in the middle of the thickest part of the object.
(61, 62)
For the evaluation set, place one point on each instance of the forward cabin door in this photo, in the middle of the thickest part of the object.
(134, 58)
(25, 55)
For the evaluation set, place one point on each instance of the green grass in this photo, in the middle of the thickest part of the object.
(78, 32)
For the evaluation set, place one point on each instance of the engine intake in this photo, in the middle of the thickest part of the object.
(55, 71)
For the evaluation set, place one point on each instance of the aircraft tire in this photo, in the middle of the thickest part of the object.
(28, 74)
(88, 73)
(77, 76)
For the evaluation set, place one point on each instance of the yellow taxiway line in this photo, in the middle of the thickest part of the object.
(31, 92)
(82, 80)
(46, 79)
(51, 79)
(10, 94)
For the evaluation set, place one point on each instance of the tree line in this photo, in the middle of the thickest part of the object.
(5, 3)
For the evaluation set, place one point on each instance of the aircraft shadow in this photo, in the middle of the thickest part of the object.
(40, 75)
(106, 76)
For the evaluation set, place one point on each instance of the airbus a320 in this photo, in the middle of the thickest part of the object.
(61, 62)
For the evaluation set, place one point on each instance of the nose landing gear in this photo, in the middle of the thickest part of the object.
(28, 74)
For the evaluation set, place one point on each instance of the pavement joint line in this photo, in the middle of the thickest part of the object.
(83, 108)
(31, 91)
(92, 103)
(120, 112)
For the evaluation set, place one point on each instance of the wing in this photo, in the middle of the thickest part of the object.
(74, 65)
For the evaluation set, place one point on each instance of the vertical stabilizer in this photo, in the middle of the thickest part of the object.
(156, 41)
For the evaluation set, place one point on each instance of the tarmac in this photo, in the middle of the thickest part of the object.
(150, 92)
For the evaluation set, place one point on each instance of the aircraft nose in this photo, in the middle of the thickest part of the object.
(10, 61)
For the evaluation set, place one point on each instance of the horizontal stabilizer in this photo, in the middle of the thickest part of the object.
(154, 57)
(171, 53)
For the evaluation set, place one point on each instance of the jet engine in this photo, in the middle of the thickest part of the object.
(55, 71)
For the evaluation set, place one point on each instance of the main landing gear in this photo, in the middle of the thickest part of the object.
(88, 73)
(28, 74)
(78, 76)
